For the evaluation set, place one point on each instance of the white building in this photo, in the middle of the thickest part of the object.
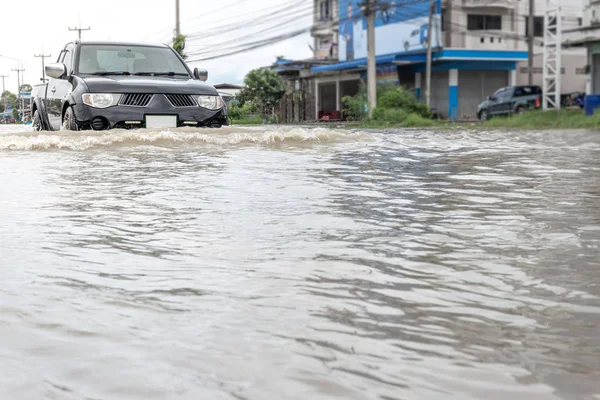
(482, 46)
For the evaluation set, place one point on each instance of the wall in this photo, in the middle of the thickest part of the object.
(573, 79)
(514, 23)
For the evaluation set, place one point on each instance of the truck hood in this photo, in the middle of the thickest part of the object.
(147, 84)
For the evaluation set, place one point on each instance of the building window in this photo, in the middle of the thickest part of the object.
(580, 71)
(538, 26)
(325, 10)
(484, 22)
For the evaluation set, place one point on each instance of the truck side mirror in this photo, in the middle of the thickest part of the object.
(201, 74)
(56, 71)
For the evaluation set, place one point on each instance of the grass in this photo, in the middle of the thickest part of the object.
(247, 121)
(540, 120)
(565, 119)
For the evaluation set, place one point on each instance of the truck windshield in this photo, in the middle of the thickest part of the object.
(125, 60)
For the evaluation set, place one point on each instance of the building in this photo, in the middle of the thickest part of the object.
(228, 91)
(478, 47)
(587, 38)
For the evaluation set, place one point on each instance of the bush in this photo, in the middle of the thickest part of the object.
(237, 112)
(399, 97)
(418, 121)
(394, 104)
(354, 107)
(391, 115)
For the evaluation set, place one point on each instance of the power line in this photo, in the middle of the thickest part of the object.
(257, 45)
(198, 17)
(256, 18)
(236, 40)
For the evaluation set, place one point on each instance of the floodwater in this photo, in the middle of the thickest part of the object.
(299, 263)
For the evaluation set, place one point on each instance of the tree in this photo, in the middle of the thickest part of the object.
(26, 87)
(10, 99)
(15, 114)
(262, 87)
(179, 45)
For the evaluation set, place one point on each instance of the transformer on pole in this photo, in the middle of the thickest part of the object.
(552, 55)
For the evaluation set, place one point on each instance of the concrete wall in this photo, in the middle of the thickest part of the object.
(573, 79)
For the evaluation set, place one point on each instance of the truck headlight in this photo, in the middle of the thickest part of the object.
(210, 102)
(101, 100)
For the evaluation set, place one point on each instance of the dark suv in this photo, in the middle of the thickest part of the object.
(510, 100)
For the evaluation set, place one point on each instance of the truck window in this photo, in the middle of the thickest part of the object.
(132, 59)
(67, 58)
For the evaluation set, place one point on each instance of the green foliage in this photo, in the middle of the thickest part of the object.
(10, 99)
(418, 121)
(391, 115)
(565, 119)
(238, 111)
(15, 114)
(179, 45)
(249, 121)
(399, 97)
(262, 87)
(26, 87)
(396, 106)
(1, 107)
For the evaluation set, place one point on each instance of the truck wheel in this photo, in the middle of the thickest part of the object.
(520, 110)
(484, 116)
(69, 122)
(37, 122)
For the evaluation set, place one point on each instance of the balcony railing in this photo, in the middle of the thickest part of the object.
(509, 4)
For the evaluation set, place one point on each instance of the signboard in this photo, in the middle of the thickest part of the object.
(324, 51)
(25, 95)
(402, 27)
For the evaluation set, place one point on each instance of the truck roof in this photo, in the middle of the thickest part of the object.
(108, 42)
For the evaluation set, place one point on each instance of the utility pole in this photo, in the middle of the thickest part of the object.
(43, 57)
(177, 25)
(429, 54)
(531, 29)
(19, 71)
(79, 30)
(3, 87)
(371, 64)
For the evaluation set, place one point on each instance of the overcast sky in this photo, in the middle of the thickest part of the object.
(28, 26)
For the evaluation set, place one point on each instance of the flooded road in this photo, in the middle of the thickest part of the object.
(299, 263)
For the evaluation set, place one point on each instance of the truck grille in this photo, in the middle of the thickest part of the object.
(135, 99)
(181, 100)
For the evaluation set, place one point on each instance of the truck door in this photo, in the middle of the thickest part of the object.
(59, 89)
(502, 102)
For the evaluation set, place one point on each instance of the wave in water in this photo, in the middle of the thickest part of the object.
(27, 140)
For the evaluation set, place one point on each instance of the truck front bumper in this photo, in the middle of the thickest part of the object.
(128, 117)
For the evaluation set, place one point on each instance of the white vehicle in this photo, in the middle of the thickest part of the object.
(417, 39)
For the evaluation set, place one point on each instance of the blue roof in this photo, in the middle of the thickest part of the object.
(438, 55)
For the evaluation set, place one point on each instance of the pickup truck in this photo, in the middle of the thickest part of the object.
(510, 100)
(106, 85)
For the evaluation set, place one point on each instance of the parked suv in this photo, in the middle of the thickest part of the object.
(510, 100)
